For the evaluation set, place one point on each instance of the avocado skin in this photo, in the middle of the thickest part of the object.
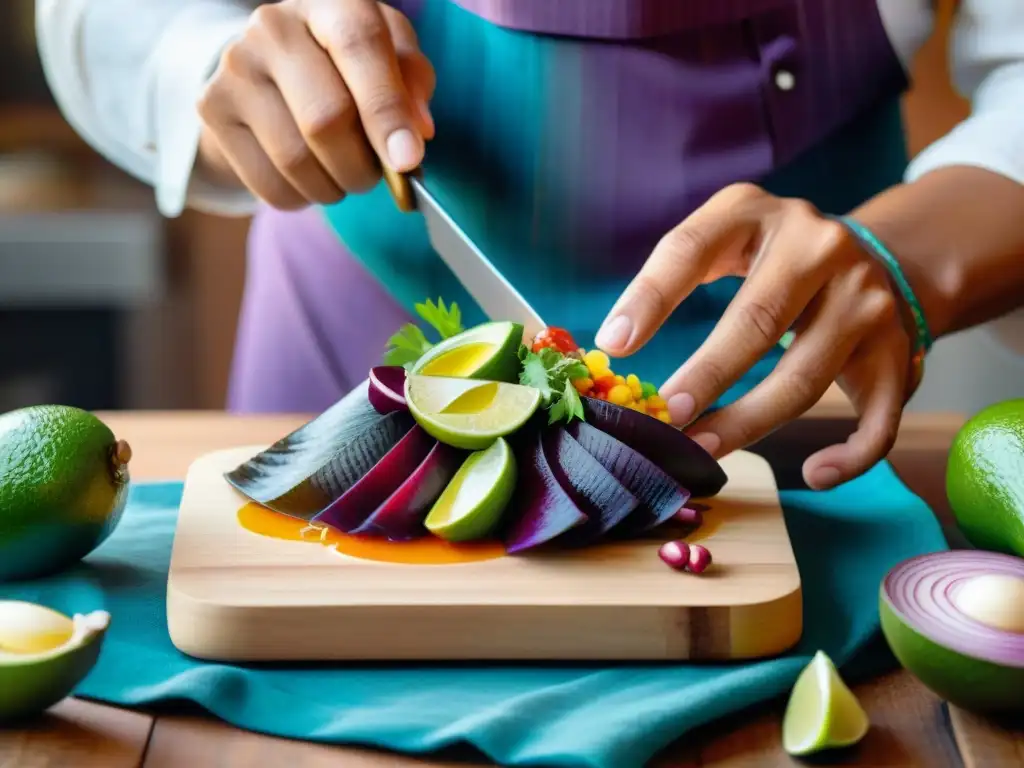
(985, 478)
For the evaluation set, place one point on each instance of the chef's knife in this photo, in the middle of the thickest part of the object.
(496, 296)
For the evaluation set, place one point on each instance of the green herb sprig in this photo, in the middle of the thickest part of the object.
(409, 344)
(553, 373)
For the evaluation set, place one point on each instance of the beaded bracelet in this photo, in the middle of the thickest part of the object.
(922, 341)
(922, 338)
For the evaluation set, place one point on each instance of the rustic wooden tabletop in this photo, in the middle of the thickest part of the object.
(910, 726)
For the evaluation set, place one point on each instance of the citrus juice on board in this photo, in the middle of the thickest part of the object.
(427, 550)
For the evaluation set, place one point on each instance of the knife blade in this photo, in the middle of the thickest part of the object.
(495, 295)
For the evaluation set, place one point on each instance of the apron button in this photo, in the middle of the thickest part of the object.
(784, 80)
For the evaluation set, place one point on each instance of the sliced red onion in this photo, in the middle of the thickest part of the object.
(387, 385)
(922, 591)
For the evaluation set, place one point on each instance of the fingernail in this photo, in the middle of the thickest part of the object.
(681, 408)
(825, 477)
(615, 333)
(709, 441)
(404, 149)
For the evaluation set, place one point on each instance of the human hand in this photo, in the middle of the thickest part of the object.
(804, 273)
(311, 95)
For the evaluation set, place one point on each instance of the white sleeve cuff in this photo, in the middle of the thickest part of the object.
(187, 55)
(991, 138)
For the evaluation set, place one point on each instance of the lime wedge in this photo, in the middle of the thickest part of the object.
(468, 413)
(822, 712)
(471, 505)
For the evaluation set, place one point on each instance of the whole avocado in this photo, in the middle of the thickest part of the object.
(985, 478)
(63, 487)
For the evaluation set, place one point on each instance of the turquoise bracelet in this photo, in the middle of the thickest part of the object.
(876, 247)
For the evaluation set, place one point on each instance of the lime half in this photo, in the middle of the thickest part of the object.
(822, 712)
(468, 413)
(471, 505)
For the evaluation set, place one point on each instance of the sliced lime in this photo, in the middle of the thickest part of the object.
(471, 505)
(822, 712)
(468, 413)
(489, 351)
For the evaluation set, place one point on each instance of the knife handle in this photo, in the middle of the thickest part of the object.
(400, 189)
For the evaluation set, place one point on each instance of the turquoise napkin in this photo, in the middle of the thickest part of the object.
(598, 716)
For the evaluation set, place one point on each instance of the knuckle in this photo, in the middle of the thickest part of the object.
(647, 292)
(356, 36)
(714, 378)
(328, 119)
(801, 208)
(383, 103)
(268, 19)
(685, 241)
(235, 59)
(399, 25)
(293, 156)
(212, 103)
(834, 240)
(802, 390)
(743, 191)
(761, 320)
(879, 307)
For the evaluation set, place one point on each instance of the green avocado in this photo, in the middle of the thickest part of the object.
(63, 486)
(985, 478)
(489, 351)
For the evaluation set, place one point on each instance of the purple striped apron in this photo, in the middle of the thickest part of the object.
(650, 107)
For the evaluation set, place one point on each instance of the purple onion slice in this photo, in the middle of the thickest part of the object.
(956, 620)
(387, 387)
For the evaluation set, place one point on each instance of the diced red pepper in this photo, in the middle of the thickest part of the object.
(556, 338)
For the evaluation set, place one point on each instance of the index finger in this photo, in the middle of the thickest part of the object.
(679, 263)
(358, 39)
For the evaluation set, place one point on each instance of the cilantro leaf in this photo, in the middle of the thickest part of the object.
(535, 374)
(569, 405)
(553, 373)
(447, 321)
(407, 346)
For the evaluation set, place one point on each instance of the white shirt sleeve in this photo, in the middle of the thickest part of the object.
(987, 66)
(127, 74)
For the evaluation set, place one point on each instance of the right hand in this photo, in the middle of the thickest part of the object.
(312, 94)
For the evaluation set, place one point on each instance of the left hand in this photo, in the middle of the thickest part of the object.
(803, 273)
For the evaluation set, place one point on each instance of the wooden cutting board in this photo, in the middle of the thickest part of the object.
(235, 595)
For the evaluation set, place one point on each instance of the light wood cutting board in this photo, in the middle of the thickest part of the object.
(233, 595)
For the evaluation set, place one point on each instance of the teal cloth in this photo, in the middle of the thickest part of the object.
(598, 715)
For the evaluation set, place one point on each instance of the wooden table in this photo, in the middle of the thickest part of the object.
(911, 727)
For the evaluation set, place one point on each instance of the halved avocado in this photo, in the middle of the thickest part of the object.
(488, 351)
(44, 655)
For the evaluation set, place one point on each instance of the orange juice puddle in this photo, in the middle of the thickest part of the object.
(427, 550)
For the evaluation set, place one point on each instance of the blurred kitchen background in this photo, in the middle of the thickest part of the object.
(105, 305)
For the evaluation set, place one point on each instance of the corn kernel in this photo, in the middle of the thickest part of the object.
(634, 386)
(638, 405)
(595, 358)
(656, 401)
(663, 416)
(619, 394)
(620, 379)
(583, 385)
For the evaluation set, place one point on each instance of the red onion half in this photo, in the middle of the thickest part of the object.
(387, 387)
(968, 662)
